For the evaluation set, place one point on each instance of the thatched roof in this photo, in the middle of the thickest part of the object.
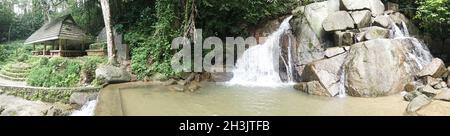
(60, 28)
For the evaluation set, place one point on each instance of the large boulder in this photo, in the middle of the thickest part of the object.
(340, 20)
(328, 72)
(362, 18)
(435, 69)
(309, 33)
(314, 14)
(313, 88)
(376, 6)
(377, 68)
(375, 32)
(112, 74)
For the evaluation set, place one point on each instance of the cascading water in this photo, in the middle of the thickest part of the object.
(259, 65)
(86, 110)
(419, 54)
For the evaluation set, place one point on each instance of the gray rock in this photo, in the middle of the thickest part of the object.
(343, 38)
(417, 103)
(360, 37)
(327, 72)
(376, 32)
(429, 91)
(333, 51)
(112, 74)
(435, 69)
(355, 4)
(440, 85)
(81, 98)
(307, 28)
(411, 95)
(340, 20)
(377, 68)
(431, 81)
(382, 21)
(362, 18)
(443, 95)
(313, 88)
(377, 7)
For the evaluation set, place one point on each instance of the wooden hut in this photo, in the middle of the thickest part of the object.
(60, 37)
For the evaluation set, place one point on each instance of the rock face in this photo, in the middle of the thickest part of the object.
(362, 18)
(417, 103)
(340, 20)
(112, 74)
(435, 69)
(309, 33)
(313, 88)
(376, 68)
(376, 32)
(327, 72)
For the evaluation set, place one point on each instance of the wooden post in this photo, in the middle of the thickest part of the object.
(60, 48)
(45, 49)
(60, 45)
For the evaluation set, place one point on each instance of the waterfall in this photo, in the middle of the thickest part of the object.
(405, 29)
(419, 55)
(259, 65)
(86, 110)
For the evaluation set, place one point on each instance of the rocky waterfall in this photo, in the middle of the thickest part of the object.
(341, 47)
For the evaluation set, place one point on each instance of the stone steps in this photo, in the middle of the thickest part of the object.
(12, 78)
(13, 74)
(8, 69)
(15, 71)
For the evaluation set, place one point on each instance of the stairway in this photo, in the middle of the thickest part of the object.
(15, 71)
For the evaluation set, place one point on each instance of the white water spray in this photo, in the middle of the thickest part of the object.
(86, 110)
(259, 65)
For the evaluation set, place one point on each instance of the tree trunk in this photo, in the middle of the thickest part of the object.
(9, 32)
(109, 33)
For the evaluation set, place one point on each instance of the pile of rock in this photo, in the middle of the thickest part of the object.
(432, 85)
(349, 45)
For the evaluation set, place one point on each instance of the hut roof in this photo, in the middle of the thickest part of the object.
(60, 28)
